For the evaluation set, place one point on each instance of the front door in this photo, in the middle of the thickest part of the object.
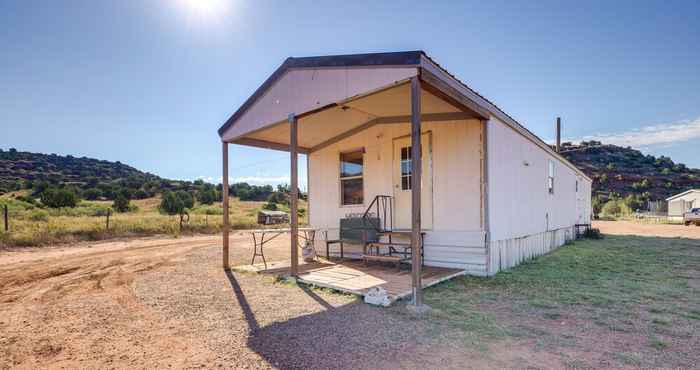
(402, 171)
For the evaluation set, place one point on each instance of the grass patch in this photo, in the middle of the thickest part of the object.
(618, 283)
(33, 226)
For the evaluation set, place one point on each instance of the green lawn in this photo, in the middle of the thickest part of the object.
(634, 300)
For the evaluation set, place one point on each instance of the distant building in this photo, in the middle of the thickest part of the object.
(266, 217)
(681, 203)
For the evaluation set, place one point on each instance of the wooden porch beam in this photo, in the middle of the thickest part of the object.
(344, 135)
(428, 117)
(224, 195)
(416, 167)
(293, 194)
(267, 145)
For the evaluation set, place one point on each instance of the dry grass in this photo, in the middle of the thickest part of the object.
(33, 226)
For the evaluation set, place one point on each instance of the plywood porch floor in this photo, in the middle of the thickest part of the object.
(352, 276)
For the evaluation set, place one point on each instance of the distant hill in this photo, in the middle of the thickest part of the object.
(623, 171)
(18, 168)
(97, 179)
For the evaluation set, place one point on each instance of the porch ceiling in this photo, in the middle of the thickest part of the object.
(391, 105)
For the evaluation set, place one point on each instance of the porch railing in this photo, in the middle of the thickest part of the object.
(383, 207)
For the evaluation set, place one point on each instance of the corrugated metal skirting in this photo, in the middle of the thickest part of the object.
(512, 252)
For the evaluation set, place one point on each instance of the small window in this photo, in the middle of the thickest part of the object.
(351, 186)
(550, 178)
(577, 186)
(406, 168)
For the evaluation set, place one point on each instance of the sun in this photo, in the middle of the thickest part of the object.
(204, 10)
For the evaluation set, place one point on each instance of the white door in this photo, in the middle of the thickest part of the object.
(402, 182)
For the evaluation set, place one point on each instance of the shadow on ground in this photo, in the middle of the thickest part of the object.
(352, 336)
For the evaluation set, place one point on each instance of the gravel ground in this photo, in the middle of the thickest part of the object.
(159, 303)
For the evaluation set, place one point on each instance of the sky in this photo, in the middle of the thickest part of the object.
(149, 82)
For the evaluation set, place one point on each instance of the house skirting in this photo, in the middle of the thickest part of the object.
(509, 253)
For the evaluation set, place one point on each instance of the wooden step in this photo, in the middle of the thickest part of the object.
(374, 257)
(387, 244)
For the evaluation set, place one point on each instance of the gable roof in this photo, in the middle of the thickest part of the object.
(416, 58)
(682, 194)
(401, 58)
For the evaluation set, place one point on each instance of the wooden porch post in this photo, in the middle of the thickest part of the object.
(416, 166)
(293, 194)
(224, 197)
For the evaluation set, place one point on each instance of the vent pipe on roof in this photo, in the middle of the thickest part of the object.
(558, 134)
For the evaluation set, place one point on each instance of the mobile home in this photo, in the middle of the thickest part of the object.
(491, 193)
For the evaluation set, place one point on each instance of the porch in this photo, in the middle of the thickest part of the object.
(354, 277)
(376, 125)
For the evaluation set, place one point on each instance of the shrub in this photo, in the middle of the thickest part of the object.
(59, 198)
(121, 203)
(177, 204)
(186, 198)
(207, 196)
(140, 194)
(592, 233)
(92, 194)
(270, 206)
(616, 208)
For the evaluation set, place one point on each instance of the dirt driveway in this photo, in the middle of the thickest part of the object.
(166, 303)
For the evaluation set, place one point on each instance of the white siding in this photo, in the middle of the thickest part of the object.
(457, 237)
(522, 212)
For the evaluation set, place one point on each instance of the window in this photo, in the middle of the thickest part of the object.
(577, 186)
(351, 188)
(550, 178)
(406, 168)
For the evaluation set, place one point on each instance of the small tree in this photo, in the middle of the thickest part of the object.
(207, 195)
(187, 198)
(59, 198)
(121, 203)
(173, 204)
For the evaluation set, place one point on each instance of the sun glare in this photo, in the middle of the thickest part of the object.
(204, 10)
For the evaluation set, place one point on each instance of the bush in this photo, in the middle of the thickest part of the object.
(59, 198)
(207, 196)
(92, 194)
(177, 204)
(616, 208)
(186, 198)
(270, 206)
(121, 203)
(592, 233)
(141, 194)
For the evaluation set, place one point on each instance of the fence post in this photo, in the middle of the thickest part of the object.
(7, 222)
(109, 211)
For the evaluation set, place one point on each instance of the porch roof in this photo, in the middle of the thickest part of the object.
(336, 96)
